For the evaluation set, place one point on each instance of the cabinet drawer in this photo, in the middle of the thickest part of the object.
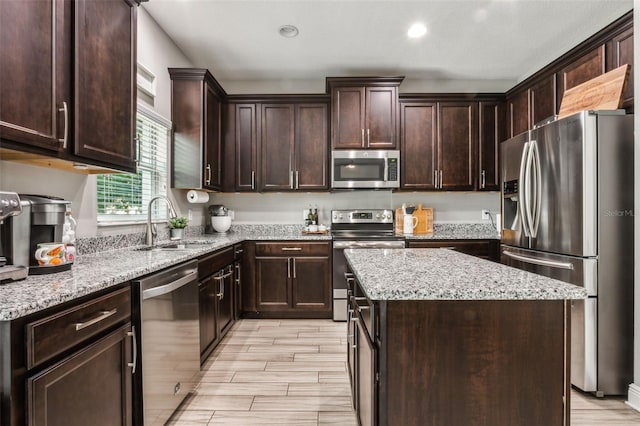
(293, 248)
(212, 263)
(56, 333)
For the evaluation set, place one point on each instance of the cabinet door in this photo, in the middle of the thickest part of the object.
(212, 167)
(543, 99)
(620, 52)
(224, 285)
(207, 304)
(367, 385)
(105, 82)
(589, 66)
(273, 278)
(277, 147)
(457, 141)
(347, 113)
(518, 110)
(246, 148)
(380, 117)
(311, 147)
(311, 283)
(418, 145)
(35, 71)
(90, 387)
(490, 134)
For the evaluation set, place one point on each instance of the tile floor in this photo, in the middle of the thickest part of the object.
(293, 372)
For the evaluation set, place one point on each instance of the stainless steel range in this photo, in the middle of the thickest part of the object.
(357, 229)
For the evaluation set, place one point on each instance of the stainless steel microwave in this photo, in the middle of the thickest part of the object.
(375, 169)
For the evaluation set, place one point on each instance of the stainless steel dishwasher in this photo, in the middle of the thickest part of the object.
(169, 340)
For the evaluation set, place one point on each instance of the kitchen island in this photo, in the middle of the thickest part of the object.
(442, 338)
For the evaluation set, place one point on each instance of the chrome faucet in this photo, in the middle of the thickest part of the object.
(152, 232)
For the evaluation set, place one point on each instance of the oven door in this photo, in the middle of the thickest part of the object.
(364, 169)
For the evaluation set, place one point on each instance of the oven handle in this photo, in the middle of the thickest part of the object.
(368, 244)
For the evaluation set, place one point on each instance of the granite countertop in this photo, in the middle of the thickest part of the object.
(97, 271)
(458, 231)
(107, 267)
(441, 274)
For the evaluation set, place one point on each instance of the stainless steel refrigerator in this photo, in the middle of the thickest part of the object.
(567, 213)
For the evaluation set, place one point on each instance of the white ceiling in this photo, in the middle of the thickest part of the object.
(485, 44)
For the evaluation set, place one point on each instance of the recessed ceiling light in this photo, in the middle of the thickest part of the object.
(288, 31)
(417, 30)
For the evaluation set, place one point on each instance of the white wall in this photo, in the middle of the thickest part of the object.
(634, 389)
(287, 207)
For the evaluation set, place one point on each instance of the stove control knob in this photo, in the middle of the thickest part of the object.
(4, 202)
(377, 215)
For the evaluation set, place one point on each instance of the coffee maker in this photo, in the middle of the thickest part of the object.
(41, 221)
(10, 268)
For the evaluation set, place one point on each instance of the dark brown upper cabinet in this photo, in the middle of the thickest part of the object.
(540, 96)
(69, 80)
(620, 52)
(418, 145)
(241, 127)
(457, 141)
(491, 133)
(543, 100)
(438, 144)
(518, 110)
(590, 65)
(294, 147)
(364, 112)
(196, 113)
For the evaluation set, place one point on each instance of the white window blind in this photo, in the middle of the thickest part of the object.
(124, 197)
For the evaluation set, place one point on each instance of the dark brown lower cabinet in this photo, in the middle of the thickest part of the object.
(216, 298)
(71, 364)
(460, 362)
(485, 249)
(292, 280)
(90, 387)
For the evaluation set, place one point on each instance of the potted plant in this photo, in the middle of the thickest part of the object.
(176, 227)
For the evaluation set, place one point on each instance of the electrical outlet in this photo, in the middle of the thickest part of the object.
(485, 214)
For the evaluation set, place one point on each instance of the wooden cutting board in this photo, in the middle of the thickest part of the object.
(603, 92)
(425, 220)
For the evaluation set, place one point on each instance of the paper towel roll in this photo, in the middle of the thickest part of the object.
(197, 197)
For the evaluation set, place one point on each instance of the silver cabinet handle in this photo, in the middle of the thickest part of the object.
(291, 248)
(288, 267)
(207, 181)
(239, 251)
(220, 293)
(440, 179)
(297, 180)
(294, 266)
(101, 317)
(435, 179)
(291, 179)
(362, 137)
(137, 141)
(222, 276)
(482, 182)
(368, 138)
(253, 179)
(65, 138)
(133, 364)
(237, 267)
(535, 261)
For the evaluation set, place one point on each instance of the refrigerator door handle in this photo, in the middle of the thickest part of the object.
(536, 261)
(538, 188)
(528, 184)
(522, 190)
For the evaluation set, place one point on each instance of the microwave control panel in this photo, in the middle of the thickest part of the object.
(392, 172)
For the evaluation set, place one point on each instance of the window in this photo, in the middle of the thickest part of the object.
(124, 197)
